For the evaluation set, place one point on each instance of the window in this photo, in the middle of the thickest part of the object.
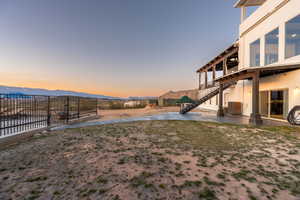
(202, 78)
(271, 47)
(292, 37)
(255, 53)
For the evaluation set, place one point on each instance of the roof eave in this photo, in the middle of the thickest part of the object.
(241, 3)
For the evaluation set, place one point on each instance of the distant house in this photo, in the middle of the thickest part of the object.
(132, 104)
(261, 71)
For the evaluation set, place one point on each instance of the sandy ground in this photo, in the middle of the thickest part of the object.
(126, 113)
(154, 160)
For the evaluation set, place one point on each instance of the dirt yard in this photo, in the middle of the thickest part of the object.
(126, 113)
(155, 160)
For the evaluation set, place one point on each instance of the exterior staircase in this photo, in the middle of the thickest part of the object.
(211, 92)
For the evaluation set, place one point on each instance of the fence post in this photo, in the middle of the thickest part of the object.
(68, 108)
(78, 107)
(48, 112)
(96, 106)
(1, 116)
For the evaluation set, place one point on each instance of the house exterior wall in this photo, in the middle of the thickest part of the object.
(271, 15)
(242, 92)
(278, 18)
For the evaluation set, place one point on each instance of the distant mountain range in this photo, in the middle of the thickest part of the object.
(38, 91)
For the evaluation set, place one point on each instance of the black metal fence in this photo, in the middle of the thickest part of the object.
(21, 113)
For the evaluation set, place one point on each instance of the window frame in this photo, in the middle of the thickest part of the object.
(285, 38)
(250, 53)
(265, 46)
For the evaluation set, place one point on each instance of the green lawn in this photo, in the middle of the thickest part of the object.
(155, 160)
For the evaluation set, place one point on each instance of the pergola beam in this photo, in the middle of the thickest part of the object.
(199, 81)
(206, 84)
(225, 69)
(218, 59)
(214, 74)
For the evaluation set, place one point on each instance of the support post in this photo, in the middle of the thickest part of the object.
(255, 117)
(214, 74)
(68, 109)
(221, 109)
(243, 14)
(1, 116)
(206, 79)
(78, 107)
(225, 70)
(199, 80)
(96, 106)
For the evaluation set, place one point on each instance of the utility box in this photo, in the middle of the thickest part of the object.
(235, 108)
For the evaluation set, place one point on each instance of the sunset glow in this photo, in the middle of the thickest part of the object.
(137, 50)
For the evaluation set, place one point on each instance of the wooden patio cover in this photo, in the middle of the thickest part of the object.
(248, 73)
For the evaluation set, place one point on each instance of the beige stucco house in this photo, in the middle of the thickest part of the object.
(261, 70)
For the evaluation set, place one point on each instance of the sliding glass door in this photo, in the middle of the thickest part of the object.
(276, 110)
(274, 104)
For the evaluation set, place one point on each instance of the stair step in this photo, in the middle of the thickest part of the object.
(190, 107)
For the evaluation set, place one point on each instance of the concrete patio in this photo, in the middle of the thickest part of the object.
(200, 115)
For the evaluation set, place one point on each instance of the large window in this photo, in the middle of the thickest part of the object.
(255, 53)
(271, 47)
(292, 37)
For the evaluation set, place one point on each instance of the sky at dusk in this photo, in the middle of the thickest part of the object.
(112, 47)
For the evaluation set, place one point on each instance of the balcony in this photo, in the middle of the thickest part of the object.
(223, 64)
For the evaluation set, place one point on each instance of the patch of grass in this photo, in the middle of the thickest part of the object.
(208, 181)
(186, 162)
(207, 194)
(244, 174)
(293, 152)
(101, 180)
(178, 166)
(91, 191)
(162, 186)
(157, 153)
(221, 176)
(3, 169)
(296, 189)
(162, 159)
(34, 194)
(39, 178)
(102, 191)
(188, 183)
(141, 180)
(56, 193)
(122, 161)
(180, 174)
(251, 197)
(116, 197)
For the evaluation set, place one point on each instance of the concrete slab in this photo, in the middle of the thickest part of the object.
(195, 116)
